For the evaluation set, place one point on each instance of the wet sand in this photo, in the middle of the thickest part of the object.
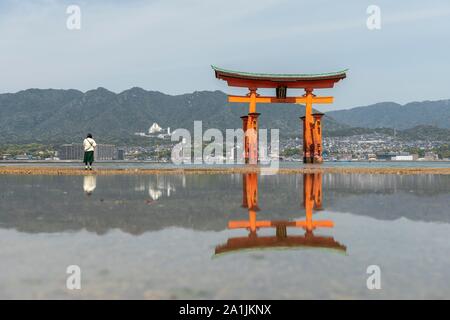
(17, 170)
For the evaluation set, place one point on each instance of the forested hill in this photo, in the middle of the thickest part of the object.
(64, 116)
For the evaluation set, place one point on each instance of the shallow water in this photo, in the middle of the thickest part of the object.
(169, 236)
(281, 164)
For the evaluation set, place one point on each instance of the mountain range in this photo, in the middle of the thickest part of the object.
(394, 115)
(52, 116)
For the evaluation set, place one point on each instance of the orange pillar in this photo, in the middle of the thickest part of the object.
(252, 95)
(317, 191)
(252, 135)
(312, 139)
(251, 130)
(244, 192)
(312, 200)
(244, 128)
(304, 139)
(251, 190)
(317, 139)
(308, 155)
(308, 141)
(308, 199)
(250, 183)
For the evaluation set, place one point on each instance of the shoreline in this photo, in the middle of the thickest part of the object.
(52, 171)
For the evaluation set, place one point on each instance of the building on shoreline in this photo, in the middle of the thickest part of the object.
(71, 152)
(120, 154)
(74, 151)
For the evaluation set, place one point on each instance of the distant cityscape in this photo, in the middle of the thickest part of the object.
(369, 147)
(363, 147)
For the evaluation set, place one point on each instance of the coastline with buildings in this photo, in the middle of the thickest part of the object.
(156, 146)
(158, 149)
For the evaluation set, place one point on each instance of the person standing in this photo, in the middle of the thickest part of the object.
(89, 146)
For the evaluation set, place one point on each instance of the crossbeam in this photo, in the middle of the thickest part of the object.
(306, 224)
(266, 99)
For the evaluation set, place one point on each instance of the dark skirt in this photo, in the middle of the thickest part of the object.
(88, 156)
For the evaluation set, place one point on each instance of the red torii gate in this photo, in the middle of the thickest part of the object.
(312, 200)
(312, 133)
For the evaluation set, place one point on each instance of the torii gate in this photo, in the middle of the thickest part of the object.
(312, 200)
(312, 135)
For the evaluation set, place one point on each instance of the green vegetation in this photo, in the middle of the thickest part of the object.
(54, 117)
(422, 132)
(415, 150)
(33, 149)
(346, 132)
(164, 154)
(443, 151)
(66, 116)
(393, 115)
(290, 152)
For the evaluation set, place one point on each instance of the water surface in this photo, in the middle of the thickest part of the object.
(225, 236)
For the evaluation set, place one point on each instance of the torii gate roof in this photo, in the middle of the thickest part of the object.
(272, 242)
(275, 80)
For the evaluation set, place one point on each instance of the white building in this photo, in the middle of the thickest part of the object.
(403, 158)
(155, 128)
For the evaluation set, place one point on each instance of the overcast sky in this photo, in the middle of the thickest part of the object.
(169, 45)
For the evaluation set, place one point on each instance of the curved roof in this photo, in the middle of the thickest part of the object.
(273, 242)
(274, 80)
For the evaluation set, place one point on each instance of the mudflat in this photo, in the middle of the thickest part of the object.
(17, 170)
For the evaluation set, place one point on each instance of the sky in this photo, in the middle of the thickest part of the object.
(170, 45)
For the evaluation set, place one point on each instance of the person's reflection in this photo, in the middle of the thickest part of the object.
(89, 184)
(312, 200)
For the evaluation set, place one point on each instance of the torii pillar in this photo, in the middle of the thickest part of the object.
(244, 129)
(250, 128)
(312, 200)
(250, 200)
(312, 139)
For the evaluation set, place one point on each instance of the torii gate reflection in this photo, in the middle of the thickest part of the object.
(312, 200)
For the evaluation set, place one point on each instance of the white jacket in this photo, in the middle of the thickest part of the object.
(89, 144)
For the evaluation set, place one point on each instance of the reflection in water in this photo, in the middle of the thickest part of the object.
(130, 249)
(158, 186)
(89, 184)
(48, 204)
(312, 200)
